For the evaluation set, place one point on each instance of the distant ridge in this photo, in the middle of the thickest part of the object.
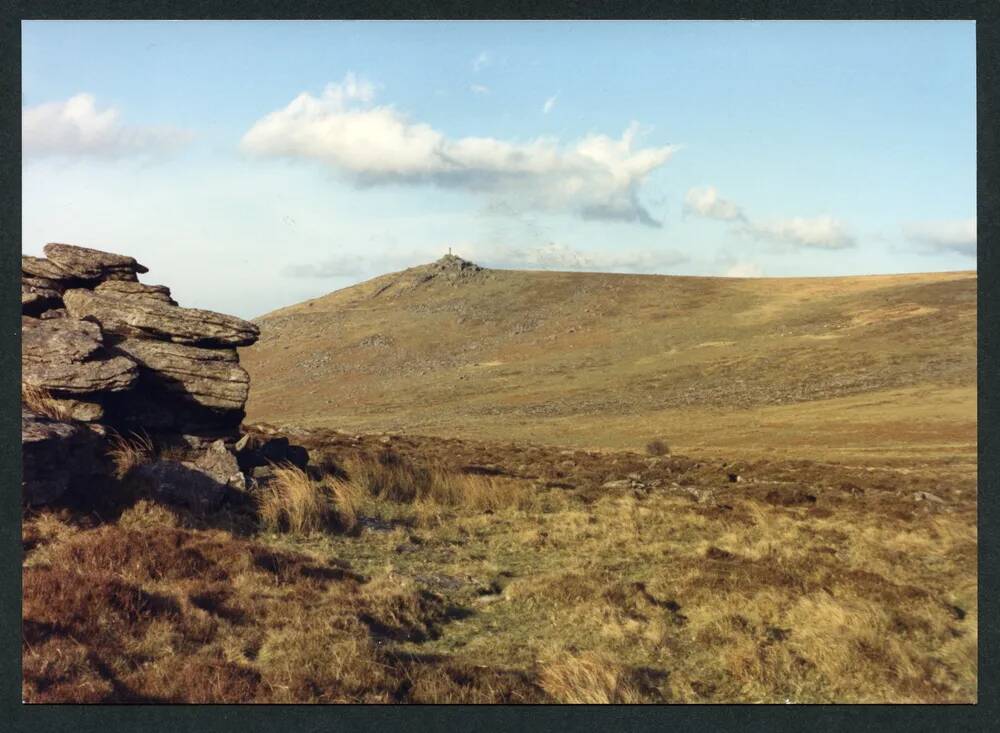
(611, 360)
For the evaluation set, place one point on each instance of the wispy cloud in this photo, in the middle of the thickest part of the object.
(705, 201)
(76, 127)
(743, 269)
(481, 61)
(335, 266)
(953, 235)
(480, 89)
(821, 232)
(558, 256)
(549, 104)
(595, 177)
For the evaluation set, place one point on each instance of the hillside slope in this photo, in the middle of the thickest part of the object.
(853, 368)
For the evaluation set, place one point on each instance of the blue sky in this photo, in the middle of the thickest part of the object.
(253, 165)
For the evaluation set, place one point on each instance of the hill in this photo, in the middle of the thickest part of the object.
(847, 368)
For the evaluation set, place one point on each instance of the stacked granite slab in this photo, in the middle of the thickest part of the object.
(123, 353)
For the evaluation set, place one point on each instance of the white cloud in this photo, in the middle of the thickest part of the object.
(78, 127)
(335, 266)
(705, 201)
(743, 269)
(556, 256)
(480, 89)
(481, 61)
(821, 232)
(956, 235)
(597, 177)
(549, 104)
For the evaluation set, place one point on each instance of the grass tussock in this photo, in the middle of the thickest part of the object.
(295, 503)
(587, 679)
(128, 453)
(389, 477)
(39, 400)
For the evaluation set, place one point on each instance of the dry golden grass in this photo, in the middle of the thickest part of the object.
(295, 503)
(41, 401)
(586, 679)
(391, 477)
(128, 453)
(537, 583)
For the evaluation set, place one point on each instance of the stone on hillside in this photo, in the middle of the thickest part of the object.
(91, 264)
(182, 482)
(120, 314)
(56, 455)
(66, 355)
(159, 293)
(209, 377)
(54, 313)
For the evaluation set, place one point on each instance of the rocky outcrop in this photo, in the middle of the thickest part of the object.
(130, 316)
(125, 288)
(208, 377)
(83, 263)
(38, 294)
(67, 357)
(101, 348)
(56, 455)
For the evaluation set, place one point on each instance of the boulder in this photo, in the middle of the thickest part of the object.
(56, 455)
(219, 463)
(84, 263)
(254, 451)
(125, 288)
(209, 377)
(83, 410)
(129, 316)
(182, 482)
(67, 356)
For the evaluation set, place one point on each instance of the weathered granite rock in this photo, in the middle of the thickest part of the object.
(91, 264)
(56, 455)
(219, 463)
(209, 377)
(83, 410)
(123, 315)
(41, 267)
(253, 451)
(54, 313)
(66, 356)
(159, 293)
(182, 482)
(39, 294)
(157, 411)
